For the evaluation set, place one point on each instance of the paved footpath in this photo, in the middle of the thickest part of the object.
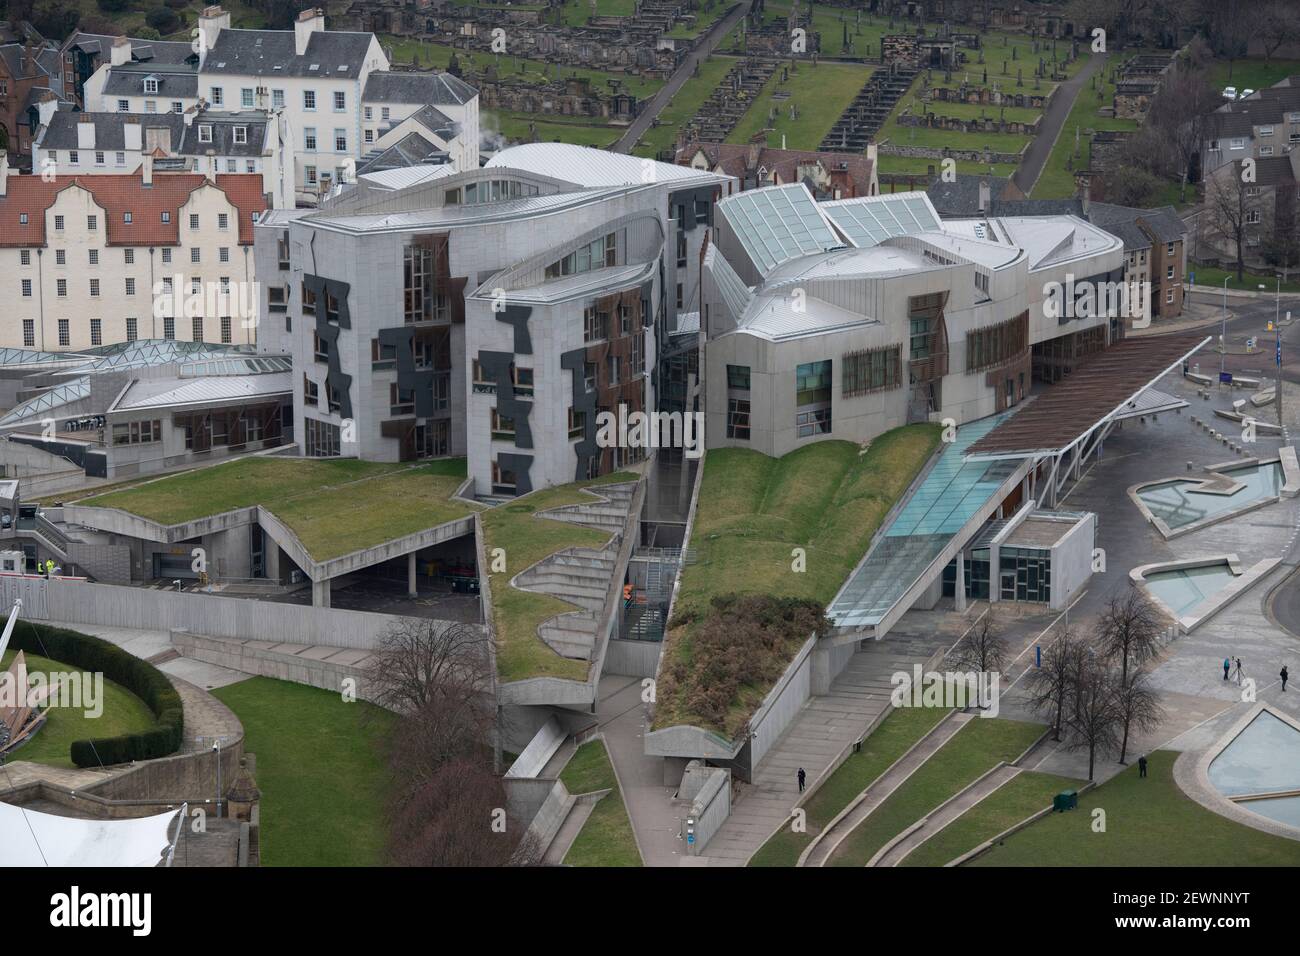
(824, 728)
(1040, 147)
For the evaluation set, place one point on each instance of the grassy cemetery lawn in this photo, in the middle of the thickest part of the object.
(606, 838)
(320, 767)
(1149, 822)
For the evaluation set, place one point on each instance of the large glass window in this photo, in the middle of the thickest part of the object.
(813, 383)
(738, 419)
(738, 377)
(870, 370)
(1025, 574)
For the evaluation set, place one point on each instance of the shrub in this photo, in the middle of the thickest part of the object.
(163, 20)
(740, 644)
(136, 675)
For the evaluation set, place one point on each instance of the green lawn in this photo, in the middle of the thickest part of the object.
(334, 506)
(826, 498)
(1253, 74)
(711, 12)
(606, 838)
(577, 12)
(122, 713)
(820, 94)
(683, 106)
(1251, 281)
(243, 16)
(526, 539)
(1019, 798)
(919, 166)
(1148, 823)
(512, 69)
(519, 126)
(973, 751)
(889, 741)
(320, 767)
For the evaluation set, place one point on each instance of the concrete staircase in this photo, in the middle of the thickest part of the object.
(580, 576)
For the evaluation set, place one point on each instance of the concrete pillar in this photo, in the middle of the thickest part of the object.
(410, 575)
(320, 593)
(959, 590)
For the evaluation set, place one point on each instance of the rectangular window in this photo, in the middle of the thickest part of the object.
(92, 223)
(60, 257)
(196, 328)
(309, 99)
(340, 101)
(738, 377)
(246, 98)
(169, 327)
(223, 220)
(277, 99)
(340, 141)
(58, 223)
(61, 286)
(27, 288)
(595, 325)
(217, 95)
(29, 333)
(167, 257)
(194, 220)
(503, 427)
(194, 254)
(132, 330)
(65, 338)
(205, 133)
(738, 419)
(25, 257)
(577, 423)
(96, 332)
(813, 394)
(94, 287)
(128, 256)
(309, 139)
(92, 256)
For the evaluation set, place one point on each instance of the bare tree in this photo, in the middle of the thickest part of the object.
(418, 660)
(457, 818)
(1129, 631)
(1179, 115)
(1138, 705)
(1230, 26)
(1279, 26)
(1050, 686)
(1232, 204)
(983, 650)
(1092, 716)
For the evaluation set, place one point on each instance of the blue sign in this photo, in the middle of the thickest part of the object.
(690, 838)
(1279, 354)
(1225, 378)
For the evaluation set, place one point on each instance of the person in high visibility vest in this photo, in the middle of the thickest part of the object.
(49, 567)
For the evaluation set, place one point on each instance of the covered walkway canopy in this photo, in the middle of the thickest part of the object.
(1069, 420)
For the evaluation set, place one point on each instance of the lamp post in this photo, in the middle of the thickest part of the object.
(1223, 335)
(1277, 324)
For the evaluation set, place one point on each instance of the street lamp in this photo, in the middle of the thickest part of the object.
(1223, 335)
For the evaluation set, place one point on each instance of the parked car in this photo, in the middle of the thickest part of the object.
(1229, 92)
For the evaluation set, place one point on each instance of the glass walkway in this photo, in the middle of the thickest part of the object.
(950, 495)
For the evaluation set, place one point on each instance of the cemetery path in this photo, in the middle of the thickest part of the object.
(1040, 147)
(720, 29)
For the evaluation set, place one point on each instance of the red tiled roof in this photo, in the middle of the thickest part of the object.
(733, 159)
(121, 193)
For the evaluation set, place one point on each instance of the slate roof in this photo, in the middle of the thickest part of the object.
(61, 133)
(118, 194)
(335, 54)
(441, 89)
(223, 134)
(152, 51)
(172, 83)
(411, 150)
(733, 160)
(961, 197)
(1037, 207)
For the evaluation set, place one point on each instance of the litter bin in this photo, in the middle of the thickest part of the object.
(1066, 800)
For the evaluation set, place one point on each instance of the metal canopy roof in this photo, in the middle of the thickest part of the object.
(1101, 386)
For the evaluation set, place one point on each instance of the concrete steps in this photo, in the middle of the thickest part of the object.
(571, 635)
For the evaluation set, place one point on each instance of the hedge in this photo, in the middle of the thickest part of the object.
(136, 675)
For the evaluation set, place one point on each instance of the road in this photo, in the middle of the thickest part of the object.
(1040, 147)
(683, 73)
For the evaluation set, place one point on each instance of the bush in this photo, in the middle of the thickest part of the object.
(163, 20)
(739, 644)
(138, 676)
(113, 6)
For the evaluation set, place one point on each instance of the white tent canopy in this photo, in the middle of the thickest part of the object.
(32, 838)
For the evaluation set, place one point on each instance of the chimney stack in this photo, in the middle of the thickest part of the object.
(985, 196)
(309, 21)
(4, 174)
(132, 136)
(121, 52)
(146, 170)
(85, 133)
(210, 168)
(211, 22)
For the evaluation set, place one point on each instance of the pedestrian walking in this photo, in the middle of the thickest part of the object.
(802, 778)
(1142, 766)
(1227, 666)
(1283, 675)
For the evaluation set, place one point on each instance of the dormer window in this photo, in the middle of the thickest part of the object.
(241, 134)
(205, 133)
(151, 84)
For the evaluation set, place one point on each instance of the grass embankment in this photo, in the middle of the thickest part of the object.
(527, 537)
(889, 741)
(1019, 798)
(120, 712)
(972, 752)
(683, 106)
(334, 506)
(754, 511)
(606, 838)
(320, 768)
(1149, 822)
(1250, 281)
(820, 94)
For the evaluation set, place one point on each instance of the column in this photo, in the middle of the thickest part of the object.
(320, 593)
(410, 575)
